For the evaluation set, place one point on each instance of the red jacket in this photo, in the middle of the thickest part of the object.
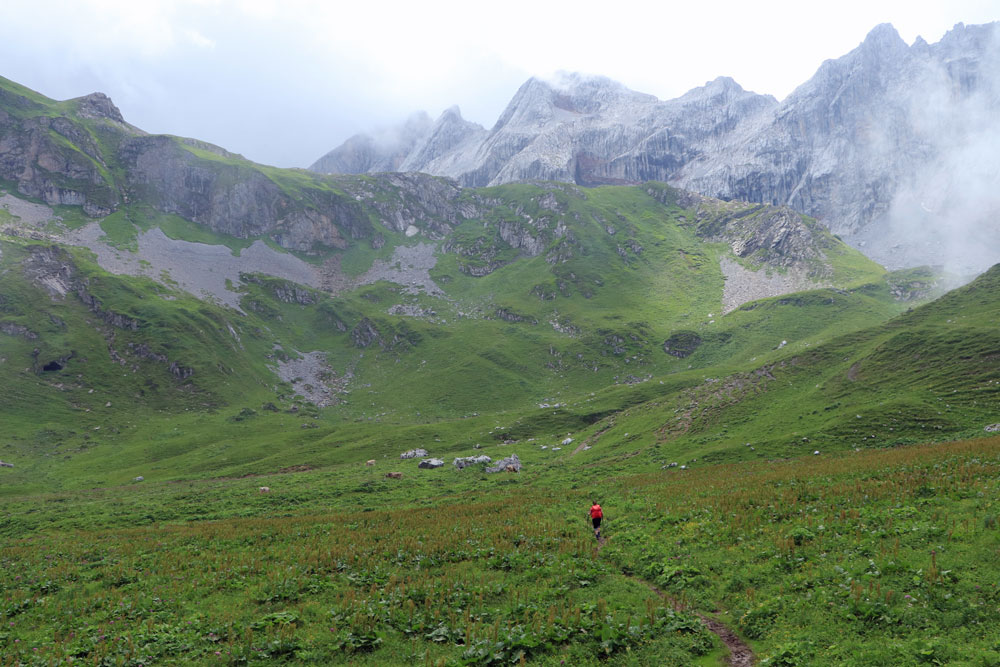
(595, 512)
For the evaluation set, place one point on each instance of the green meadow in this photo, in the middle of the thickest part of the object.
(872, 557)
(805, 479)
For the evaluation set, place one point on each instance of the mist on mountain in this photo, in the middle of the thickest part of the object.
(948, 210)
(891, 146)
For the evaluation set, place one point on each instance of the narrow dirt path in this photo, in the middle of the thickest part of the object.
(740, 654)
(586, 442)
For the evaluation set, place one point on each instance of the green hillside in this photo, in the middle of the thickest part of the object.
(928, 374)
(586, 314)
(765, 414)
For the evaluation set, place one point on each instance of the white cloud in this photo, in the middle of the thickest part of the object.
(199, 40)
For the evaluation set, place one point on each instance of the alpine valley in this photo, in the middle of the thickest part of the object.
(218, 377)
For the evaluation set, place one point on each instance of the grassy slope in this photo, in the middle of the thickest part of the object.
(806, 558)
(59, 417)
(785, 548)
(930, 373)
(614, 312)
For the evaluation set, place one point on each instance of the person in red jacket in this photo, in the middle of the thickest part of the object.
(596, 514)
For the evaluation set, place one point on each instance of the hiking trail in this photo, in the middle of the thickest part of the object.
(584, 444)
(740, 654)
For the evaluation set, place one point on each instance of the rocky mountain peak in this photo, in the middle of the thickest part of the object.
(589, 94)
(99, 105)
(884, 39)
(531, 104)
(722, 85)
(450, 122)
(871, 65)
(566, 97)
(449, 132)
(970, 42)
(719, 92)
(383, 150)
(451, 113)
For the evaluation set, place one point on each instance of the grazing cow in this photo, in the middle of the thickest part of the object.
(370, 462)
(265, 489)
(394, 475)
(510, 469)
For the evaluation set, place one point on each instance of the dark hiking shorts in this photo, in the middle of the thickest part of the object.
(597, 522)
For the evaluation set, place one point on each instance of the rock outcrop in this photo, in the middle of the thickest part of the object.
(52, 269)
(467, 461)
(365, 334)
(18, 330)
(52, 158)
(99, 105)
(85, 154)
(412, 202)
(509, 464)
(232, 197)
(775, 235)
(413, 454)
(508, 315)
(682, 344)
(283, 290)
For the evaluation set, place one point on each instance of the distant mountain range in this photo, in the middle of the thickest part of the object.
(891, 146)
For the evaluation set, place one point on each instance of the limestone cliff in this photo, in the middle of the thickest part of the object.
(235, 197)
(50, 157)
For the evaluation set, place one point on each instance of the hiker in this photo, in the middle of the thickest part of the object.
(596, 514)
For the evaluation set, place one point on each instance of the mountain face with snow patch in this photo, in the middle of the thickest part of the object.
(891, 146)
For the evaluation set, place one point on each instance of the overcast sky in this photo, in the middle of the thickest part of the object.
(284, 81)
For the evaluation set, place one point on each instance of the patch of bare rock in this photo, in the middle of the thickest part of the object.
(206, 271)
(743, 285)
(30, 214)
(312, 378)
(409, 266)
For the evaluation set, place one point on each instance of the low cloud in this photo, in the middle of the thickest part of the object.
(947, 210)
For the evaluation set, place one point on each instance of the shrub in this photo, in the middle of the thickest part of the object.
(757, 621)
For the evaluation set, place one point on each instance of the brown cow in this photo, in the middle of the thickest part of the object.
(370, 462)
(394, 475)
